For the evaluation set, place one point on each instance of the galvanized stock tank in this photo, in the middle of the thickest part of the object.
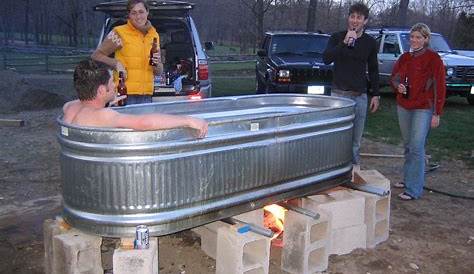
(260, 149)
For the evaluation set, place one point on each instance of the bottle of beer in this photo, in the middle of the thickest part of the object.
(122, 89)
(153, 50)
(168, 78)
(407, 88)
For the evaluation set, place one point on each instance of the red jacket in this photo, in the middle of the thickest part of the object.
(425, 73)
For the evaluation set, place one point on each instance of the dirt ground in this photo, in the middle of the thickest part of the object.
(432, 235)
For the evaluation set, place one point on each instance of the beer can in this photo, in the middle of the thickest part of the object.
(142, 237)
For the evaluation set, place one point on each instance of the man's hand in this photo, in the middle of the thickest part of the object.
(116, 100)
(435, 121)
(374, 103)
(351, 34)
(199, 125)
(120, 68)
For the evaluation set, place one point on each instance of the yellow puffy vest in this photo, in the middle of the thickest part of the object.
(135, 56)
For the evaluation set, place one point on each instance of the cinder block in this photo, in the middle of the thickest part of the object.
(75, 252)
(50, 229)
(254, 217)
(346, 239)
(143, 261)
(377, 217)
(372, 178)
(306, 243)
(344, 208)
(241, 253)
(208, 233)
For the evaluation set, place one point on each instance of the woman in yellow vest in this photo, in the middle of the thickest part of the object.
(131, 44)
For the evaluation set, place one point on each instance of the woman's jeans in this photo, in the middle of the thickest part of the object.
(414, 126)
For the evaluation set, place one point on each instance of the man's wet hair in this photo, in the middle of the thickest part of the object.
(88, 76)
(132, 3)
(359, 8)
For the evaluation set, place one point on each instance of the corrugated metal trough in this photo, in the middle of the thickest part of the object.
(260, 149)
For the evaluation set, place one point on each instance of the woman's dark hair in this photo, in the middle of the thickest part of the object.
(88, 76)
(359, 8)
(132, 3)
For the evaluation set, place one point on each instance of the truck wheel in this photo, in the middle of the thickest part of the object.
(470, 99)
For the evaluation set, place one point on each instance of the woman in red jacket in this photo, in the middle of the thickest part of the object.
(418, 78)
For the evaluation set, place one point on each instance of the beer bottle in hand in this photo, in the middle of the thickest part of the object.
(407, 88)
(121, 89)
(153, 51)
(351, 42)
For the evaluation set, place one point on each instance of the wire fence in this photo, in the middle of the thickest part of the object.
(50, 64)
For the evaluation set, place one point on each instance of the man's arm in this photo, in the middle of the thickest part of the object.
(333, 49)
(110, 44)
(155, 121)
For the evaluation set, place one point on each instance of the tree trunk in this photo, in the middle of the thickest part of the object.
(402, 13)
(260, 12)
(26, 23)
(311, 20)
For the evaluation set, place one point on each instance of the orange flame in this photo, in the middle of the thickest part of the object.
(275, 219)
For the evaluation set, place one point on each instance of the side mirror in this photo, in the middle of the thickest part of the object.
(262, 53)
(209, 45)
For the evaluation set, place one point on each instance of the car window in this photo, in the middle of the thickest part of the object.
(298, 44)
(390, 44)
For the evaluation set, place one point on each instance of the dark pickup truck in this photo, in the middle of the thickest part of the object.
(291, 62)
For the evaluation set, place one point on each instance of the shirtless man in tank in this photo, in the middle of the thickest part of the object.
(95, 88)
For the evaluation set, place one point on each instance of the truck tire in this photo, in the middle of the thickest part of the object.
(470, 100)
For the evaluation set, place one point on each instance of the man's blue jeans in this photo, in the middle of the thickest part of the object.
(414, 125)
(359, 120)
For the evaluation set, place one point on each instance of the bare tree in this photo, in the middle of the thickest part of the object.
(311, 20)
(402, 12)
(258, 9)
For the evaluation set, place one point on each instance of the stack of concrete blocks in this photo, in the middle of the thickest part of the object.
(236, 252)
(346, 211)
(69, 251)
(127, 260)
(377, 208)
(306, 243)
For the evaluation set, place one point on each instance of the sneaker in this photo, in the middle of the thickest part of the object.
(405, 196)
(399, 185)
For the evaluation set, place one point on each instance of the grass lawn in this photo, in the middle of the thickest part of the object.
(454, 138)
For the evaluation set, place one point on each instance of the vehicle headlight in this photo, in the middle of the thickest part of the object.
(283, 73)
(450, 71)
